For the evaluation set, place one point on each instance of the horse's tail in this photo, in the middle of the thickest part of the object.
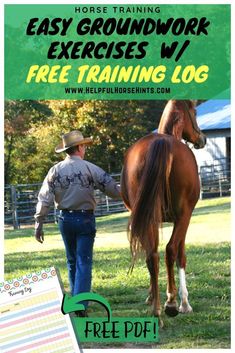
(153, 198)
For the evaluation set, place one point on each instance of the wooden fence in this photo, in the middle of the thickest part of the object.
(20, 200)
(215, 179)
(20, 203)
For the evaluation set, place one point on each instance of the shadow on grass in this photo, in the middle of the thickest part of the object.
(208, 273)
(208, 282)
(217, 208)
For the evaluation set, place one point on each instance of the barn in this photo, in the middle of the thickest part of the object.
(214, 119)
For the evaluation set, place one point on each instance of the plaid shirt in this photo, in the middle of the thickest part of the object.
(70, 185)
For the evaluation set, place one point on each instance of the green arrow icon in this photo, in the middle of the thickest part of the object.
(71, 304)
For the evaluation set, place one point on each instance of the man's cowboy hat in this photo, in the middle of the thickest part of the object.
(71, 139)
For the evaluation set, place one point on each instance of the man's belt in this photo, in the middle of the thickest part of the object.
(77, 211)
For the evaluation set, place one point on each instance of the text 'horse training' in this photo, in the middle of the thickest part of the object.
(160, 183)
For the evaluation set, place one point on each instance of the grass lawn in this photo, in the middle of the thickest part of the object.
(208, 274)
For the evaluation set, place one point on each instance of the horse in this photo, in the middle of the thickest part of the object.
(160, 183)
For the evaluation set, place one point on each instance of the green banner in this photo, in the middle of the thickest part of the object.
(117, 51)
(119, 329)
(108, 329)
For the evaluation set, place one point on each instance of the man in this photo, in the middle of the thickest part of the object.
(70, 184)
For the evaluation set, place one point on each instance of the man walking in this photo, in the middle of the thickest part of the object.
(70, 184)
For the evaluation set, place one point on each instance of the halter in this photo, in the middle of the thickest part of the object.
(191, 119)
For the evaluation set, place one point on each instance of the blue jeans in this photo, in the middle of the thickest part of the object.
(78, 233)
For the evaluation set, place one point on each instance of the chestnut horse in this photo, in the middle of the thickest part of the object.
(160, 183)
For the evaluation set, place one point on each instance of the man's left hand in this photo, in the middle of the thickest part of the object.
(39, 234)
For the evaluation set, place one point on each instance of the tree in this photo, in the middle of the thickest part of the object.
(20, 116)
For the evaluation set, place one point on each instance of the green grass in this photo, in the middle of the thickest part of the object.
(208, 274)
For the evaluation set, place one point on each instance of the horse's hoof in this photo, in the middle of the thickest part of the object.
(185, 309)
(171, 310)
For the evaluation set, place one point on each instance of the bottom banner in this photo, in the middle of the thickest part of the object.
(118, 329)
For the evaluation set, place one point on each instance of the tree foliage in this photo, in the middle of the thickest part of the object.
(34, 128)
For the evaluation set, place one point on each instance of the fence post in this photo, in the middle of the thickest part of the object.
(107, 203)
(201, 192)
(220, 186)
(14, 208)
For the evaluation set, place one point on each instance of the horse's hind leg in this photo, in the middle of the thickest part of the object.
(152, 261)
(185, 307)
(171, 307)
(173, 251)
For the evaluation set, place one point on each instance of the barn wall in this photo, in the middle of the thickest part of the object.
(215, 149)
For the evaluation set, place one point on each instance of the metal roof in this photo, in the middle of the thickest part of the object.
(214, 114)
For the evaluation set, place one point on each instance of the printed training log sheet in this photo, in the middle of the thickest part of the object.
(30, 316)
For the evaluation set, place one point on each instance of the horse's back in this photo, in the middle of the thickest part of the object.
(183, 176)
